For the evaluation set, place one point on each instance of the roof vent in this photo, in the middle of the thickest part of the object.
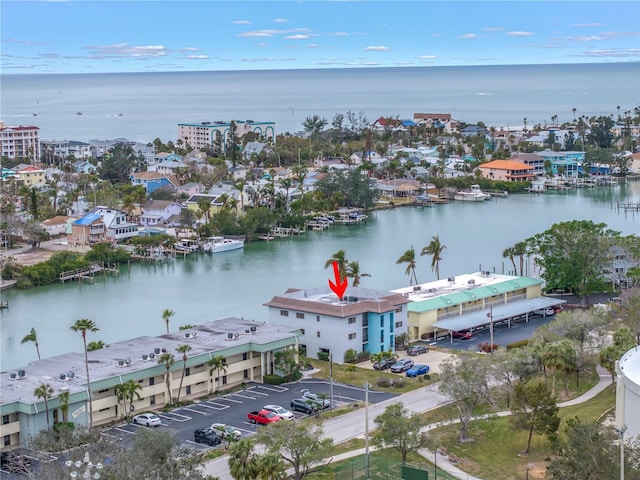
(451, 279)
(432, 290)
(121, 362)
(156, 351)
(247, 331)
(152, 356)
(485, 273)
(70, 375)
(471, 282)
(417, 288)
(22, 374)
(13, 375)
(144, 357)
(229, 336)
(62, 377)
(254, 329)
(236, 335)
(406, 295)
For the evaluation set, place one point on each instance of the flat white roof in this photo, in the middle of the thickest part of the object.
(630, 365)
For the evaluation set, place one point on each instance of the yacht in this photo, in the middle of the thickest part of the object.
(474, 194)
(221, 244)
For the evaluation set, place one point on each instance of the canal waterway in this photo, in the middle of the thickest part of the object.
(206, 287)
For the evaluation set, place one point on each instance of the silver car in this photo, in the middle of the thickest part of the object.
(280, 411)
(402, 365)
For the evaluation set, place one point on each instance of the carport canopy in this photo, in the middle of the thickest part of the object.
(501, 313)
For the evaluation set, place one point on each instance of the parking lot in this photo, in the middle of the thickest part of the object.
(232, 408)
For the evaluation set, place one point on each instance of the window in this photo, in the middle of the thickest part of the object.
(245, 356)
(188, 389)
(187, 372)
(224, 379)
(317, 318)
(381, 321)
(398, 324)
(318, 333)
(351, 320)
(7, 440)
(284, 313)
(382, 336)
(5, 419)
(246, 373)
(399, 309)
(103, 391)
(152, 400)
(300, 315)
(152, 381)
(352, 336)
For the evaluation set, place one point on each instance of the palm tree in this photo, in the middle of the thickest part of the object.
(97, 345)
(131, 390)
(44, 392)
(167, 359)
(353, 271)
(63, 403)
(120, 395)
(83, 326)
(183, 349)
(520, 249)
(242, 462)
(166, 316)
(218, 364)
(270, 466)
(409, 257)
(339, 257)
(239, 186)
(435, 249)
(352, 369)
(508, 253)
(32, 337)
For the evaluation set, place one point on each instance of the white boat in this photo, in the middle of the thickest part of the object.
(221, 244)
(474, 194)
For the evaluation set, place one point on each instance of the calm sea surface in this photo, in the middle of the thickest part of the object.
(143, 106)
(238, 283)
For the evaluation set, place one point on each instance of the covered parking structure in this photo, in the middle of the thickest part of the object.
(497, 313)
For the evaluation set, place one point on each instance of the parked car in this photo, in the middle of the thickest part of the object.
(147, 419)
(557, 309)
(545, 311)
(263, 417)
(614, 300)
(402, 365)
(226, 432)
(417, 350)
(463, 335)
(325, 403)
(384, 364)
(304, 405)
(280, 411)
(207, 436)
(418, 369)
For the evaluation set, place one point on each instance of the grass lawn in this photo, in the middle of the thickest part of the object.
(496, 451)
(368, 375)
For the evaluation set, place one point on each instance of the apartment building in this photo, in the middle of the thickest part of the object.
(248, 348)
(365, 320)
(20, 141)
(203, 135)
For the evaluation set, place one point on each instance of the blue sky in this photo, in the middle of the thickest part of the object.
(126, 36)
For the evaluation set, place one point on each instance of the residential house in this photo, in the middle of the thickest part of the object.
(159, 211)
(364, 320)
(438, 121)
(533, 160)
(565, 163)
(117, 226)
(634, 164)
(151, 181)
(357, 158)
(248, 348)
(627, 389)
(473, 130)
(84, 167)
(163, 157)
(251, 149)
(190, 189)
(30, 175)
(20, 141)
(507, 170)
(57, 225)
(471, 301)
(86, 231)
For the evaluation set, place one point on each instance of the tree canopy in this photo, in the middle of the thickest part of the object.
(400, 430)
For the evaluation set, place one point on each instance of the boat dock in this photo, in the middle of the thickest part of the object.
(497, 193)
(87, 273)
(631, 206)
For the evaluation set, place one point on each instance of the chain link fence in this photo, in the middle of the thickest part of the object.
(384, 468)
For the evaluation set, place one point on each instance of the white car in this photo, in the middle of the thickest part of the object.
(306, 393)
(280, 411)
(148, 419)
(545, 311)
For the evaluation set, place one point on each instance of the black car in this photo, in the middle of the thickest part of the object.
(207, 436)
(383, 364)
(304, 405)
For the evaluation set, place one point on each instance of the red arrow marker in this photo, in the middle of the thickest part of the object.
(338, 287)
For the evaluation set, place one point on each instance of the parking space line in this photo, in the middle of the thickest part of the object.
(219, 407)
(273, 388)
(181, 418)
(200, 445)
(126, 431)
(194, 411)
(243, 396)
(257, 392)
(230, 399)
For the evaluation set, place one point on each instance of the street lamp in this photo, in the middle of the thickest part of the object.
(620, 431)
(88, 468)
(490, 315)
(366, 430)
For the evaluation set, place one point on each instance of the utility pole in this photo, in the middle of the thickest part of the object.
(366, 430)
(490, 315)
(620, 431)
(331, 380)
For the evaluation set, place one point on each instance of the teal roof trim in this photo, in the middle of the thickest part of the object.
(472, 294)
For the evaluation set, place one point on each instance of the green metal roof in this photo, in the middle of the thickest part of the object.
(472, 294)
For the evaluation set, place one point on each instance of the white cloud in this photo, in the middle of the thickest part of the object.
(124, 50)
(312, 45)
(23, 42)
(262, 59)
(241, 22)
(427, 57)
(298, 37)
(190, 49)
(587, 25)
(585, 39)
(613, 53)
(378, 48)
(198, 57)
(261, 33)
(280, 20)
(437, 34)
(519, 34)
(469, 36)
(493, 29)
(263, 44)
(338, 34)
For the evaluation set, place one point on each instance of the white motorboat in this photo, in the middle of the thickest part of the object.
(474, 194)
(221, 244)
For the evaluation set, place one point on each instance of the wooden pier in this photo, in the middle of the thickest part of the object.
(631, 206)
(87, 273)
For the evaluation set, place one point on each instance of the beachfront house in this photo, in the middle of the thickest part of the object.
(565, 163)
(159, 211)
(364, 320)
(20, 141)
(57, 225)
(447, 307)
(247, 347)
(151, 181)
(507, 170)
(30, 175)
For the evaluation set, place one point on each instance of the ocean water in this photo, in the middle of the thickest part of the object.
(143, 106)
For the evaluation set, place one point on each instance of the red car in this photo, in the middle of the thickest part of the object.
(463, 335)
